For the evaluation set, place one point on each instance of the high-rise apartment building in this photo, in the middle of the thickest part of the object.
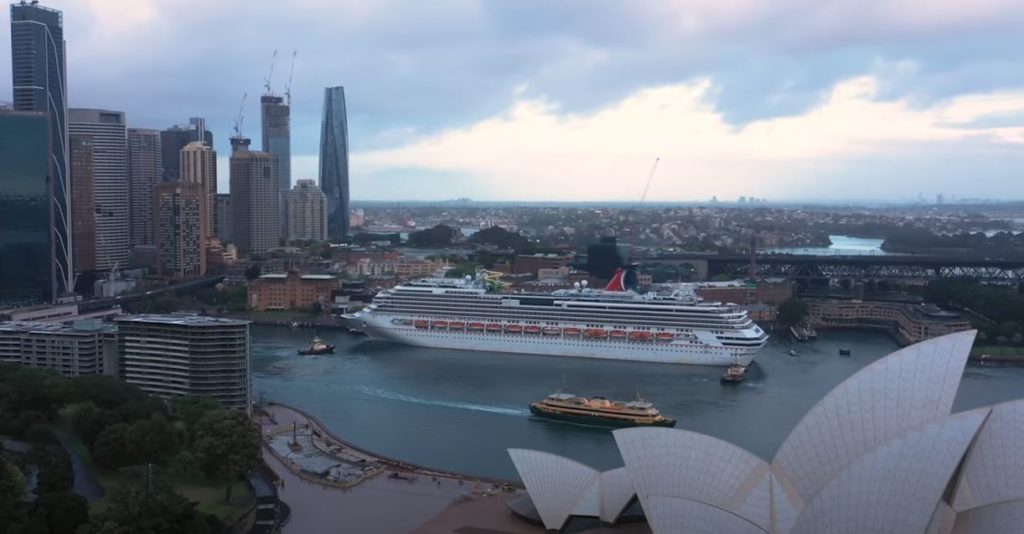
(27, 268)
(145, 170)
(175, 138)
(277, 140)
(307, 212)
(110, 181)
(179, 217)
(83, 214)
(175, 355)
(39, 79)
(84, 347)
(334, 161)
(254, 199)
(198, 164)
(224, 218)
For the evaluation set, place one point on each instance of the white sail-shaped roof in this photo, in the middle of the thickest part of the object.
(559, 487)
(908, 388)
(671, 515)
(994, 470)
(896, 487)
(1002, 518)
(616, 491)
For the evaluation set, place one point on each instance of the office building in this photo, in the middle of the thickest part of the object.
(180, 232)
(39, 77)
(198, 164)
(28, 272)
(277, 140)
(175, 138)
(292, 291)
(254, 199)
(175, 355)
(145, 170)
(83, 214)
(334, 161)
(222, 216)
(83, 347)
(307, 212)
(110, 181)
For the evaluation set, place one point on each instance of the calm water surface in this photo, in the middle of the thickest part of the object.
(461, 410)
(842, 245)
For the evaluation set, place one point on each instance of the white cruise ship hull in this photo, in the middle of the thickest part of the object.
(381, 327)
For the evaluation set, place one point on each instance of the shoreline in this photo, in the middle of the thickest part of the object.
(391, 463)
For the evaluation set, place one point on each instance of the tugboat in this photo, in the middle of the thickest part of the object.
(845, 352)
(735, 374)
(599, 411)
(317, 346)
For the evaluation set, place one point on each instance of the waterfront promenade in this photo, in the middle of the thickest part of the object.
(396, 498)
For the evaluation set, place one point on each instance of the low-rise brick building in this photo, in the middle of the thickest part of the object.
(292, 291)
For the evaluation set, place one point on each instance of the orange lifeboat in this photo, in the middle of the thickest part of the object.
(553, 331)
(618, 334)
(664, 337)
(571, 331)
(494, 327)
(476, 326)
(456, 325)
(532, 330)
(439, 325)
(419, 323)
(513, 329)
(599, 333)
(638, 335)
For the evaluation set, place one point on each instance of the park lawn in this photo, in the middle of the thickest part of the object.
(997, 351)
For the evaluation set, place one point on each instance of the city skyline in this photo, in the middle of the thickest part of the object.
(585, 103)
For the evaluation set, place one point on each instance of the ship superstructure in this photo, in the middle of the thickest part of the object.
(611, 323)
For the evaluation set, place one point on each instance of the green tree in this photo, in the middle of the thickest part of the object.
(227, 446)
(13, 490)
(792, 312)
(55, 471)
(89, 420)
(190, 409)
(154, 440)
(109, 449)
(439, 236)
(104, 391)
(147, 506)
(64, 511)
(500, 238)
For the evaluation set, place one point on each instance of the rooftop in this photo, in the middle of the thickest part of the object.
(77, 327)
(181, 320)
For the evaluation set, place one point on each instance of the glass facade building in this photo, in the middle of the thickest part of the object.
(334, 162)
(39, 76)
(26, 243)
(277, 140)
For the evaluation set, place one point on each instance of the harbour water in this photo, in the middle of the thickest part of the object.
(461, 410)
(842, 245)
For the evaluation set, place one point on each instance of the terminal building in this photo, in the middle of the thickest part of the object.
(83, 347)
(174, 355)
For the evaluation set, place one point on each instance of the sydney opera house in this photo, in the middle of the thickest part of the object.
(880, 453)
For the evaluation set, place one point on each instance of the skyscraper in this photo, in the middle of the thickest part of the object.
(178, 211)
(334, 161)
(307, 212)
(27, 269)
(145, 170)
(223, 217)
(39, 77)
(254, 199)
(173, 139)
(83, 214)
(277, 140)
(110, 181)
(198, 164)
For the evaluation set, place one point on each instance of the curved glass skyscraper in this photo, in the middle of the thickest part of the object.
(39, 77)
(334, 162)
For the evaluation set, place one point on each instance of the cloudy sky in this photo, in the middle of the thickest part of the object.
(573, 100)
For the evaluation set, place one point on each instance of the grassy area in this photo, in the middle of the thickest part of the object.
(998, 352)
(209, 495)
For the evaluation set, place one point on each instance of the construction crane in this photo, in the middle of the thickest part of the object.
(650, 178)
(266, 81)
(240, 117)
(288, 86)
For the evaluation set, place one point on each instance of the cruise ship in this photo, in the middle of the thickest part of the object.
(614, 323)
